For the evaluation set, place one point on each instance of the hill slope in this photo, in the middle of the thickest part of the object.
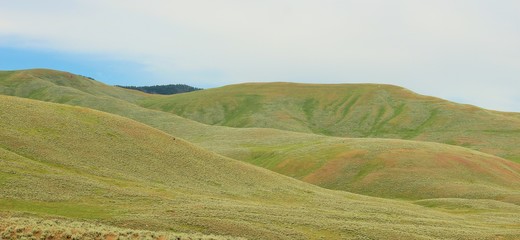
(377, 167)
(367, 166)
(349, 110)
(59, 160)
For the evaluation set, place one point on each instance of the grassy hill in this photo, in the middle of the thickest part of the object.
(78, 163)
(349, 110)
(43, 83)
(379, 167)
(368, 166)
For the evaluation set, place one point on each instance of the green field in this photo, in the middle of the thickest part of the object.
(143, 168)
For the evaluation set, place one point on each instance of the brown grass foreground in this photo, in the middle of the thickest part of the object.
(54, 229)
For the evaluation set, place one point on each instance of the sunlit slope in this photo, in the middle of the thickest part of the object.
(115, 147)
(367, 166)
(376, 167)
(349, 110)
(44, 83)
(59, 160)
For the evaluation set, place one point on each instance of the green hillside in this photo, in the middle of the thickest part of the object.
(349, 110)
(78, 163)
(380, 167)
(42, 83)
(367, 166)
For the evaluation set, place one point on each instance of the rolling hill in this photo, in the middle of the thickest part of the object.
(349, 110)
(373, 167)
(383, 167)
(86, 165)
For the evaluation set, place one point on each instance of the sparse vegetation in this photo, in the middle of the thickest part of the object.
(39, 228)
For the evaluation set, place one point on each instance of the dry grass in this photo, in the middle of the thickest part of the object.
(51, 229)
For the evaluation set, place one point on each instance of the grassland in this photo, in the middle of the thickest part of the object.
(392, 168)
(60, 161)
(377, 167)
(349, 110)
(40, 228)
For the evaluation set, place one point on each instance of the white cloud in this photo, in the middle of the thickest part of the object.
(464, 50)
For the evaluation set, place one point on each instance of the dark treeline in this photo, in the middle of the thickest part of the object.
(164, 89)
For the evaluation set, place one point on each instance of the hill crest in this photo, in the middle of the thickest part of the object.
(349, 110)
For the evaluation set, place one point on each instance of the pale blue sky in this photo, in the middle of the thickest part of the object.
(462, 50)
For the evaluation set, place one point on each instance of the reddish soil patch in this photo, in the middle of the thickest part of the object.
(333, 169)
(110, 236)
(291, 166)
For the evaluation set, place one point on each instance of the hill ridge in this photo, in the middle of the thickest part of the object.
(276, 149)
(347, 110)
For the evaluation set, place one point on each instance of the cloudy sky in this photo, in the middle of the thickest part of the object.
(462, 50)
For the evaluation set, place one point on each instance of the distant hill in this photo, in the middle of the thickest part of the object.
(164, 89)
(349, 110)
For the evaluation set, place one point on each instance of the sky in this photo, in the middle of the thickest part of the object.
(466, 51)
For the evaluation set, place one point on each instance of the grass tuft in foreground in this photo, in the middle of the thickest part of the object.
(50, 229)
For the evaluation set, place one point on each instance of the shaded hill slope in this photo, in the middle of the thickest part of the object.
(349, 110)
(59, 160)
(367, 166)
